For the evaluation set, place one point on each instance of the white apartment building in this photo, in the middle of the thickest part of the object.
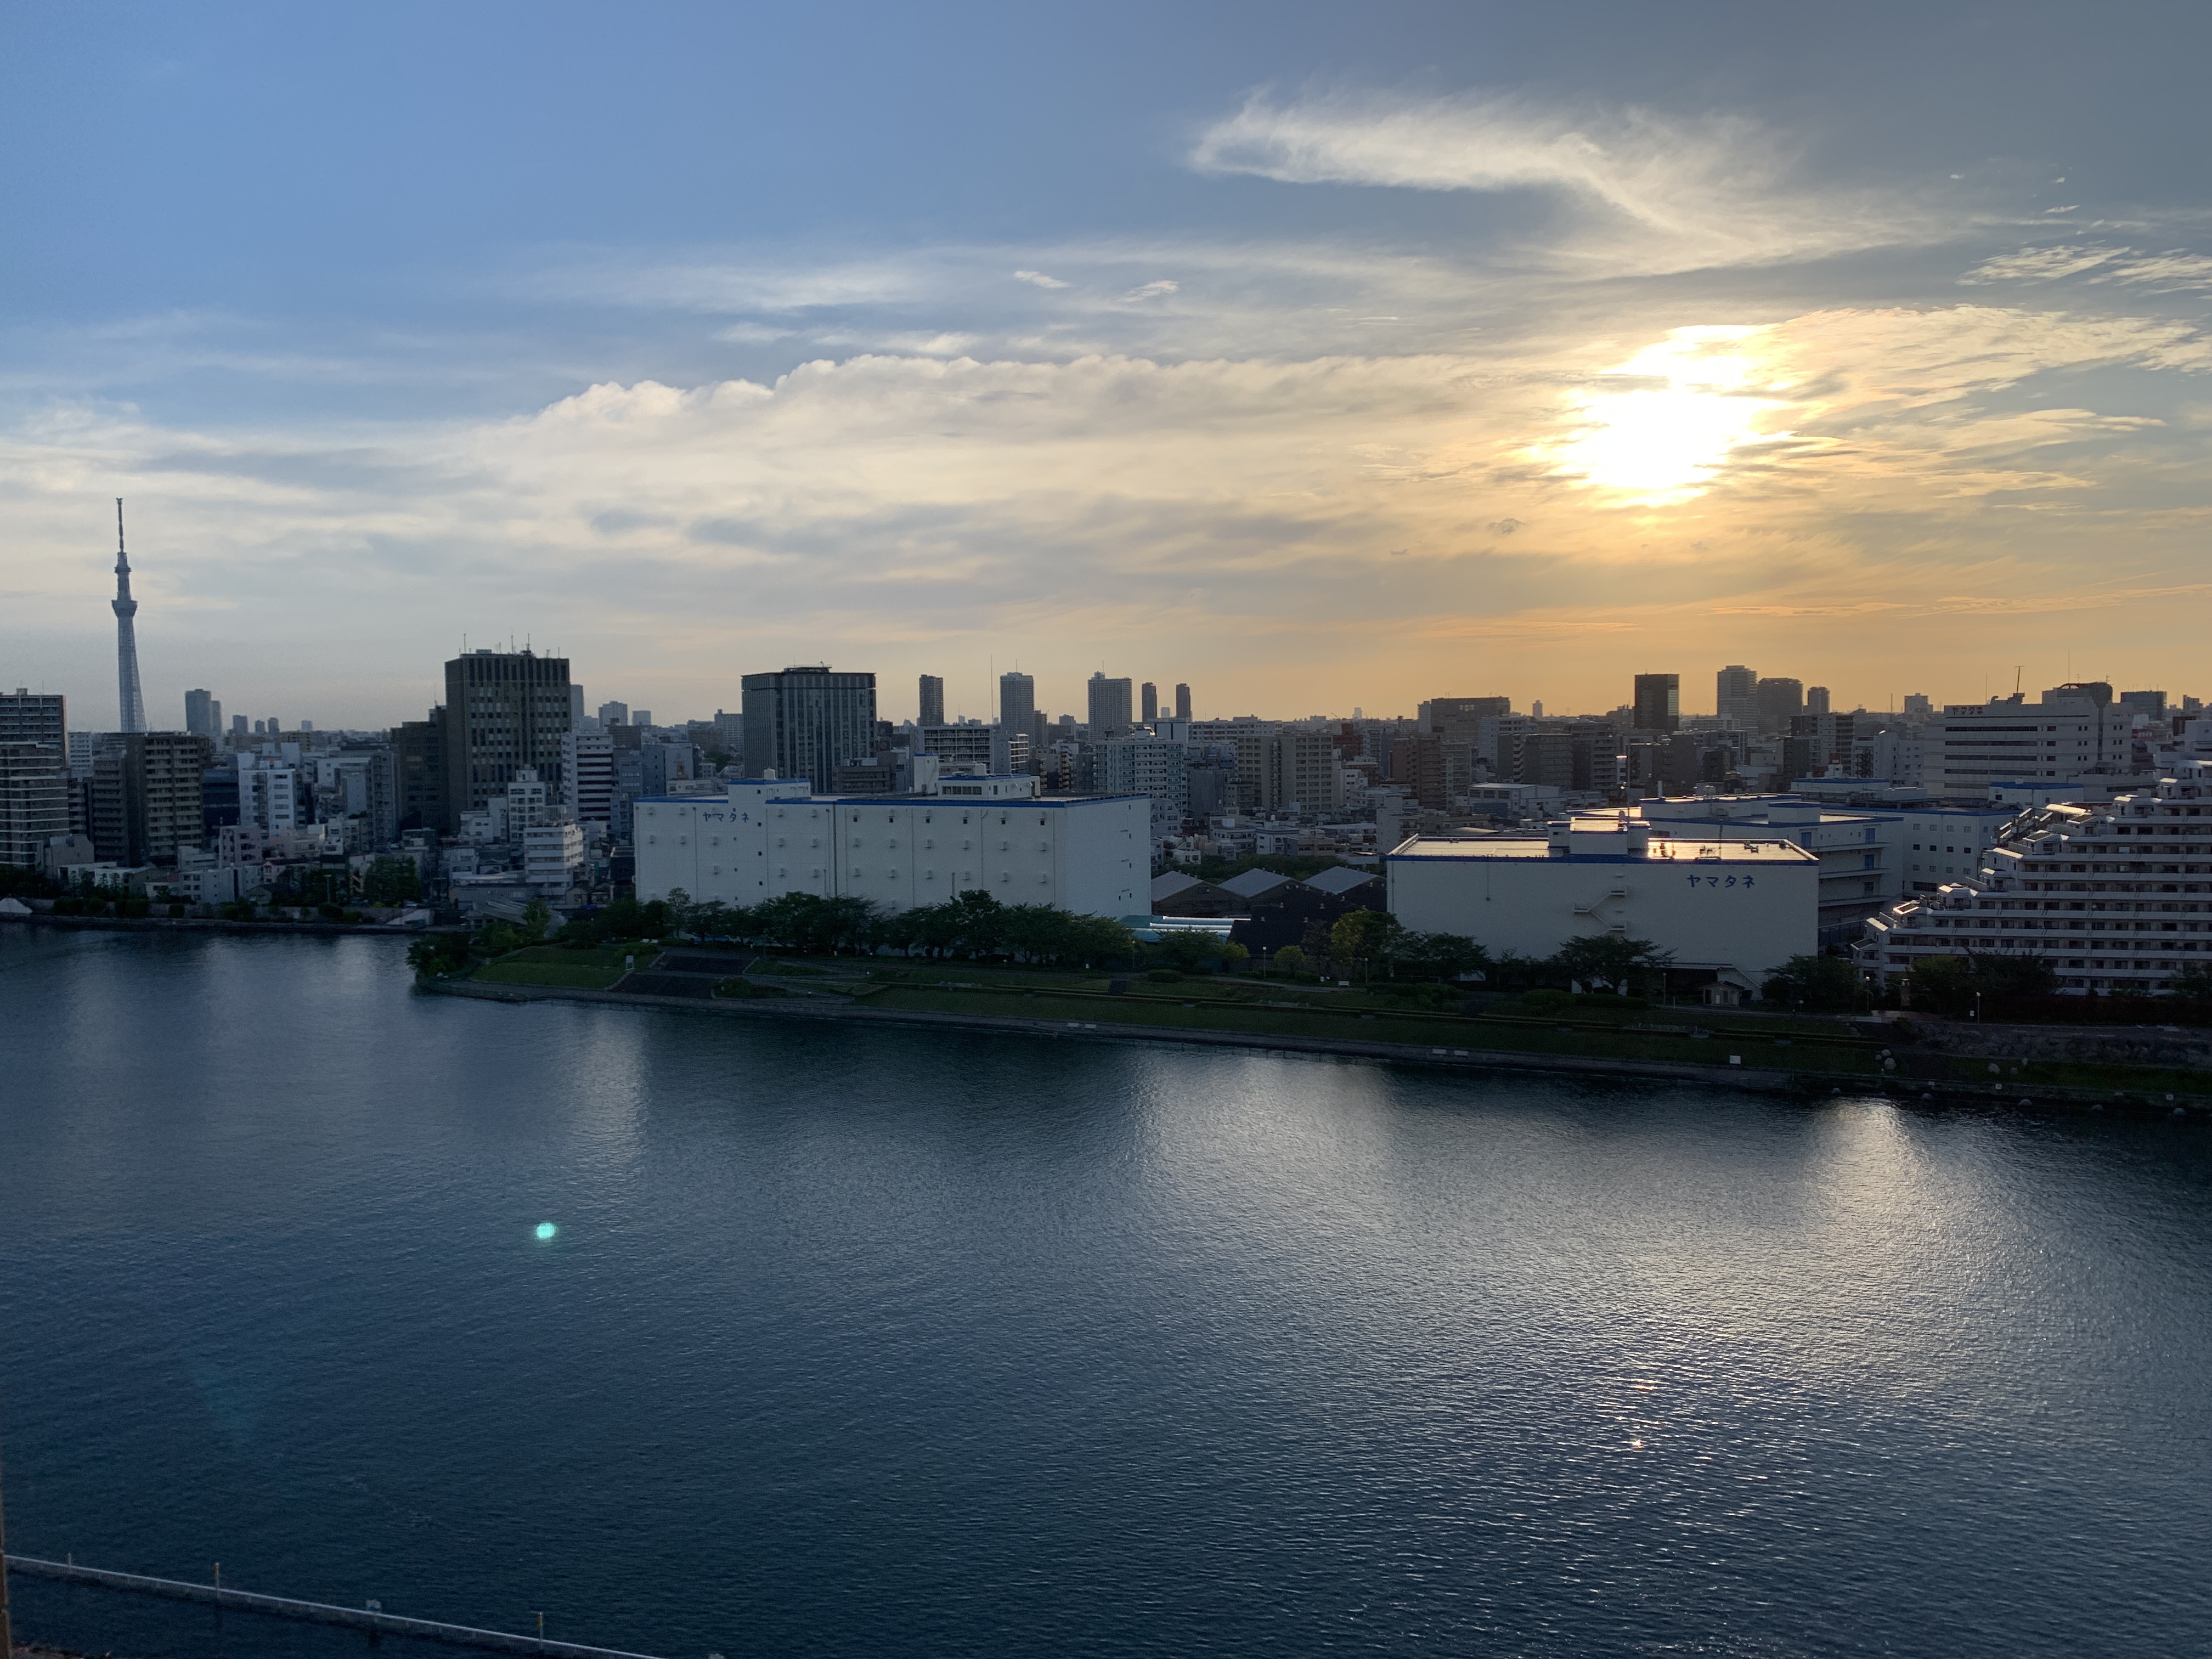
(269, 795)
(1734, 908)
(2065, 737)
(552, 854)
(764, 837)
(528, 803)
(2113, 897)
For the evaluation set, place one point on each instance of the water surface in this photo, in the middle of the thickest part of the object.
(891, 1343)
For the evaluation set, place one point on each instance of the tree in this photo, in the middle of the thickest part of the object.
(1290, 959)
(2194, 981)
(537, 917)
(1609, 960)
(1820, 983)
(390, 881)
(439, 953)
(1188, 950)
(1437, 956)
(1364, 938)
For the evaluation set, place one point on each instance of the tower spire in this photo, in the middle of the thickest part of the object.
(131, 702)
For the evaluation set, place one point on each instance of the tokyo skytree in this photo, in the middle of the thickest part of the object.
(132, 702)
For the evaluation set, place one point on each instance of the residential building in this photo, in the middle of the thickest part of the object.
(614, 713)
(967, 744)
(1110, 712)
(1150, 704)
(933, 701)
(762, 838)
(1658, 702)
(552, 854)
(805, 722)
(40, 717)
(1017, 712)
(146, 795)
(272, 792)
(505, 710)
(1816, 700)
(2114, 897)
(1152, 767)
(1730, 911)
(34, 800)
(1917, 707)
(203, 714)
(1182, 702)
(1780, 701)
(1736, 697)
(587, 771)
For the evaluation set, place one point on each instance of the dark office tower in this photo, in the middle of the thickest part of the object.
(1182, 702)
(1658, 701)
(1017, 705)
(203, 713)
(418, 749)
(240, 726)
(933, 701)
(1150, 704)
(807, 723)
(1816, 700)
(504, 710)
(1460, 717)
(1109, 711)
(1780, 701)
(146, 799)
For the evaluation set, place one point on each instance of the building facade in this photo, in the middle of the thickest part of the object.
(2112, 898)
(1733, 909)
(806, 722)
(34, 800)
(146, 795)
(2075, 732)
(761, 839)
(504, 710)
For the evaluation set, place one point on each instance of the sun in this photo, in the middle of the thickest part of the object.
(1663, 438)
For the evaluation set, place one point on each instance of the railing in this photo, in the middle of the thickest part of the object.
(318, 1613)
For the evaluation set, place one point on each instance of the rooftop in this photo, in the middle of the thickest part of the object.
(1663, 849)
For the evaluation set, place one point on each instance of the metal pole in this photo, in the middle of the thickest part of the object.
(6, 1636)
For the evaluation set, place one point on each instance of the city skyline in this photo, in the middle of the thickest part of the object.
(1318, 368)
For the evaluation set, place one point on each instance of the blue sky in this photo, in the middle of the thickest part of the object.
(1319, 357)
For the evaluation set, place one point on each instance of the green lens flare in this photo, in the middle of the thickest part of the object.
(546, 1230)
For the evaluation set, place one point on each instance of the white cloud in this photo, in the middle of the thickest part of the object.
(1151, 290)
(2173, 271)
(1680, 195)
(1038, 279)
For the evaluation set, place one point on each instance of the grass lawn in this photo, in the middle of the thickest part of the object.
(547, 964)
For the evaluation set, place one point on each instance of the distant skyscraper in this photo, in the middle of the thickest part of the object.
(1737, 696)
(1017, 705)
(1151, 703)
(933, 701)
(1816, 699)
(614, 713)
(1658, 702)
(806, 722)
(504, 710)
(1109, 711)
(131, 709)
(1182, 702)
(240, 726)
(575, 706)
(1918, 706)
(1780, 701)
(203, 713)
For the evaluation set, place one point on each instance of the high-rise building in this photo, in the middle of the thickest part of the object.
(1918, 706)
(1018, 714)
(1150, 704)
(1780, 701)
(1458, 717)
(202, 714)
(240, 726)
(1816, 700)
(504, 710)
(587, 768)
(1182, 702)
(35, 799)
(933, 701)
(418, 754)
(1658, 702)
(614, 713)
(1110, 714)
(28, 716)
(130, 702)
(146, 795)
(805, 722)
(1736, 697)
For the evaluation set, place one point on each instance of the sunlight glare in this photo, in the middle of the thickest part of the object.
(1664, 442)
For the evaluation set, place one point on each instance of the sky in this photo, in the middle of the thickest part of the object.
(1319, 357)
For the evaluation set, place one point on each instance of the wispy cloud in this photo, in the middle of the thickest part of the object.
(1676, 194)
(2176, 270)
(1038, 279)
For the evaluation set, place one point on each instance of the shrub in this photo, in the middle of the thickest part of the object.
(1163, 976)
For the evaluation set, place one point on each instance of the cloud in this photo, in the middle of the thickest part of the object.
(1038, 279)
(1151, 290)
(1674, 194)
(2174, 271)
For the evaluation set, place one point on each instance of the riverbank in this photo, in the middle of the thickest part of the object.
(1461, 1056)
(210, 925)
